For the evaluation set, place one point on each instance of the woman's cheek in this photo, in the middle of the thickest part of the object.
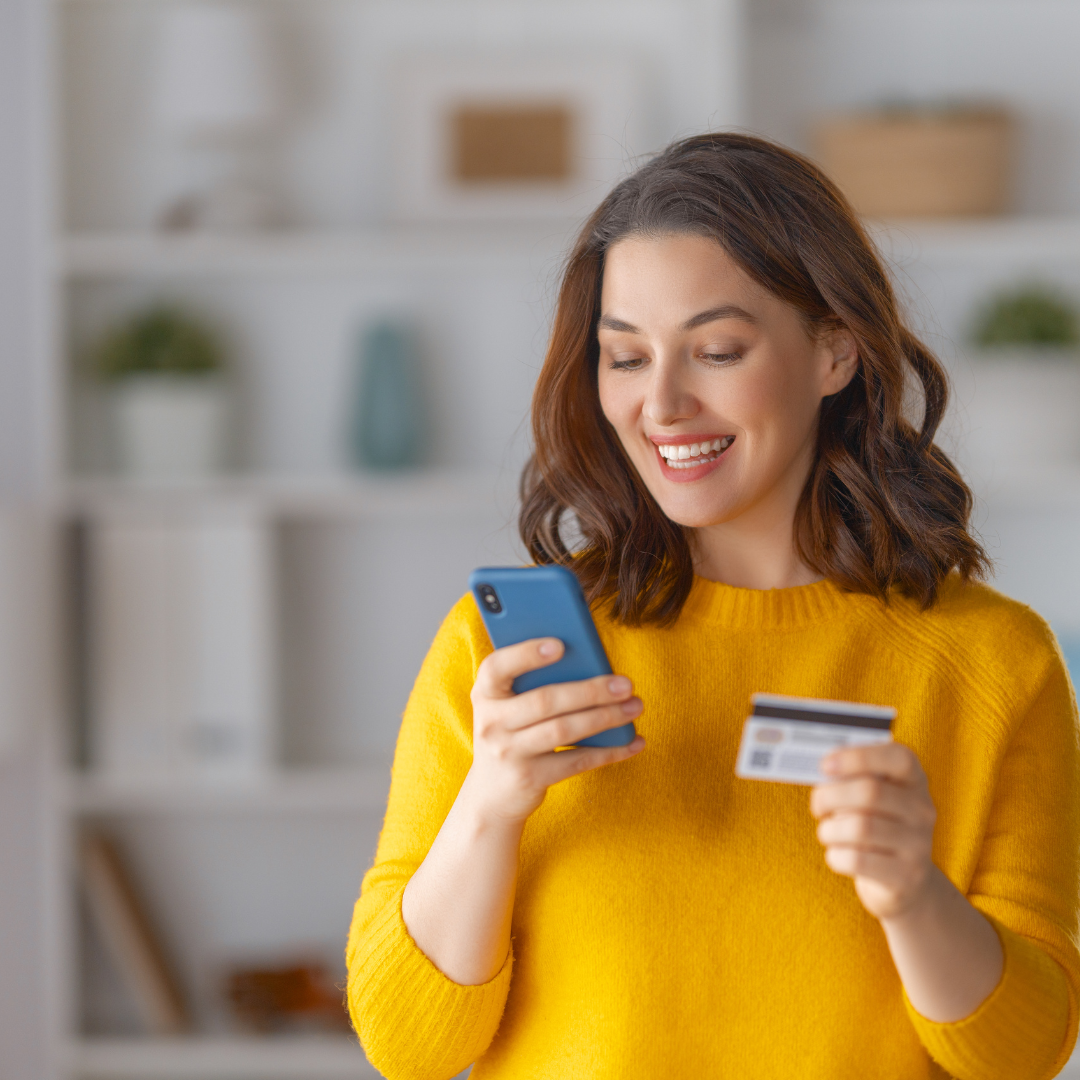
(617, 402)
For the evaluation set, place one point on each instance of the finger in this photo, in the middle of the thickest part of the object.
(868, 832)
(498, 670)
(557, 699)
(554, 768)
(889, 870)
(892, 760)
(566, 730)
(874, 794)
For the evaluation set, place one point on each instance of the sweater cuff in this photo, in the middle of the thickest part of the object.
(414, 1022)
(1018, 1032)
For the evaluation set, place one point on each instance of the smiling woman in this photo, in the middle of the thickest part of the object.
(722, 411)
(746, 375)
(738, 243)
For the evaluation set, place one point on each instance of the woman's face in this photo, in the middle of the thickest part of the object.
(712, 384)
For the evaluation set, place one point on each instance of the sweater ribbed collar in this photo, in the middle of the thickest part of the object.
(770, 609)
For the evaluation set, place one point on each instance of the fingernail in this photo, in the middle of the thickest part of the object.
(631, 707)
(619, 685)
(549, 648)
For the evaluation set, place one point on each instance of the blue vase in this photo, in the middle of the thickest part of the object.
(389, 425)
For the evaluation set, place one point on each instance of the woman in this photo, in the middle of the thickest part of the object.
(722, 409)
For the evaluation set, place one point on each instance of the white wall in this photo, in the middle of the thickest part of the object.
(22, 831)
(812, 56)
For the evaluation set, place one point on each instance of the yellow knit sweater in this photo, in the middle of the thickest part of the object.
(674, 921)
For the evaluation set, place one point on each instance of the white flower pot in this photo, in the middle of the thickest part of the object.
(1015, 409)
(170, 426)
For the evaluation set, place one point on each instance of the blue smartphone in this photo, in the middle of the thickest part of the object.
(519, 603)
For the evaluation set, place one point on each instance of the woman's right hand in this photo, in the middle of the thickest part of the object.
(515, 736)
(474, 858)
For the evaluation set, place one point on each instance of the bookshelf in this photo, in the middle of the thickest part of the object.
(300, 833)
(253, 867)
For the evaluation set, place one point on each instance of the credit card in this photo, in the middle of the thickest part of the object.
(785, 738)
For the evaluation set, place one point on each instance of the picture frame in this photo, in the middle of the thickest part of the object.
(514, 137)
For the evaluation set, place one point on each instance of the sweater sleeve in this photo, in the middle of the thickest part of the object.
(412, 1020)
(1027, 883)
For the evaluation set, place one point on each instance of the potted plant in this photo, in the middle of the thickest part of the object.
(1021, 408)
(165, 371)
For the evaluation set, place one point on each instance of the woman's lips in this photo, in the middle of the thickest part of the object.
(688, 457)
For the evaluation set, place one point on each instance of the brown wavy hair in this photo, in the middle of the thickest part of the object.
(883, 508)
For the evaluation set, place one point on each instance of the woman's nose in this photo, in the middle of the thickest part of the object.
(668, 398)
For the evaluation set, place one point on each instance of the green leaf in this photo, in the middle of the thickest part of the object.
(162, 341)
(1032, 315)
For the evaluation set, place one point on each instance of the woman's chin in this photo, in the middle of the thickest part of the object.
(697, 513)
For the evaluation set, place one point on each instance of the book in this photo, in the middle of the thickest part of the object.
(129, 937)
(180, 641)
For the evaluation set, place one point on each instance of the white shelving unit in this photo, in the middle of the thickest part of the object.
(368, 565)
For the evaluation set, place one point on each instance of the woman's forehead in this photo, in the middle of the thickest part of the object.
(674, 277)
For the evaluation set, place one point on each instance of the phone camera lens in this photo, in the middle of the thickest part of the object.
(489, 598)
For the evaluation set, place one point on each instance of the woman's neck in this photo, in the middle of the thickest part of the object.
(750, 554)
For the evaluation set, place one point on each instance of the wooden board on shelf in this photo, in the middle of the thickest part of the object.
(135, 948)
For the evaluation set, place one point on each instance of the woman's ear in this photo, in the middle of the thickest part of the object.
(840, 360)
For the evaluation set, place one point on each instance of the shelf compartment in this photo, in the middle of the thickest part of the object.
(224, 1058)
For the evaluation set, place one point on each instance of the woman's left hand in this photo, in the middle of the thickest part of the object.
(876, 820)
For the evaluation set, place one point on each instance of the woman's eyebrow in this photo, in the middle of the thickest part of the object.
(609, 322)
(725, 311)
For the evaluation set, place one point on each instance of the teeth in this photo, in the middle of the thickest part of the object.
(683, 455)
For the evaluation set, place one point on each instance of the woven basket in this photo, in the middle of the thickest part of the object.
(947, 163)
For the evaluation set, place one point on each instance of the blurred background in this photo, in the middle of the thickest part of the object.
(275, 282)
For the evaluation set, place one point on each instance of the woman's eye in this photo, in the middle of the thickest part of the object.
(721, 358)
(628, 365)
